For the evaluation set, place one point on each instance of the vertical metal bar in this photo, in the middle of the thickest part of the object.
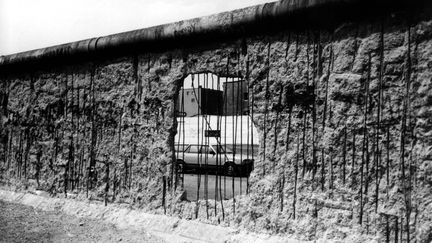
(198, 145)
(183, 134)
(217, 145)
(206, 86)
(202, 128)
(241, 97)
(225, 128)
(249, 124)
(226, 116)
(219, 171)
(252, 124)
(234, 134)
(178, 116)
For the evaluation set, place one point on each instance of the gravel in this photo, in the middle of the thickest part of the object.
(19, 223)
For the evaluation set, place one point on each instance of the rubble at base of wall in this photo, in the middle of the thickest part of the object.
(171, 229)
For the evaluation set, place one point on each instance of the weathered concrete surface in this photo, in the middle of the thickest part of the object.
(347, 157)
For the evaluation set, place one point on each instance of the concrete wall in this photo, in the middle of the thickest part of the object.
(343, 116)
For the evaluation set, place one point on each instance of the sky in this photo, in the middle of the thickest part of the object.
(32, 24)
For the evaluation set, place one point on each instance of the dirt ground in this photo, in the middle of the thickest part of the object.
(19, 223)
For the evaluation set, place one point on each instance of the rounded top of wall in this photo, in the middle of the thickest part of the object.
(252, 20)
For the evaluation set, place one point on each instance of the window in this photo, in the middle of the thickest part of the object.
(193, 149)
(221, 149)
(205, 149)
(180, 147)
(193, 100)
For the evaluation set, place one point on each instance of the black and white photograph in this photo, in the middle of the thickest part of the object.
(215, 121)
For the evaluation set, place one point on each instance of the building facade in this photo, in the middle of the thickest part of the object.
(199, 101)
(236, 98)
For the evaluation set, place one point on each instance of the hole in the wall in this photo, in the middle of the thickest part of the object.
(216, 144)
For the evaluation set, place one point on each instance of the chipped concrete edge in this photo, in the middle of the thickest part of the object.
(168, 228)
